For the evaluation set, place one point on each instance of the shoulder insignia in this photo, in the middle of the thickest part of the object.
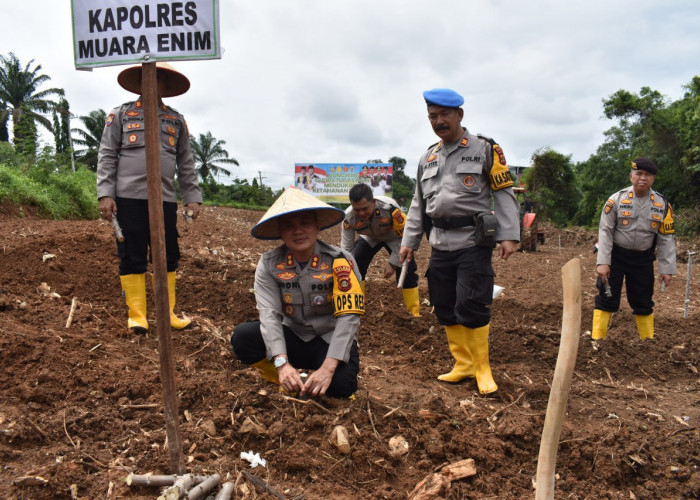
(464, 142)
(110, 119)
(398, 216)
(668, 226)
(499, 152)
(630, 194)
(314, 262)
(432, 146)
(138, 104)
(290, 259)
(346, 225)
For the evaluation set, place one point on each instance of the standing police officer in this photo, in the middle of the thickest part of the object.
(457, 179)
(636, 228)
(123, 191)
(379, 221)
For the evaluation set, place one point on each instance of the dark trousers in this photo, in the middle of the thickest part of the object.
(249, 347)
(636, 269)
(461, 286)
(134, 251)
(364, 253)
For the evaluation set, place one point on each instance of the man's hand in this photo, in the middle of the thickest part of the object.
(603, 271)
(507, 248)
(290, 380)
(107, 207)
(666, 279)
(319, 381)
(405, 254)
(194, 207)
(389, 270)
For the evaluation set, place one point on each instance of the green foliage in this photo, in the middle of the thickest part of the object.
(19, 92)
(90, 138)
(551, 182)
(239, 194)
(208, 152)
(687, 221)
(48, 185)
(61, 126)
(26, 137)
(403, 186)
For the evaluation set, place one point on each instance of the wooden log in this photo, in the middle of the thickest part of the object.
(150, 480)
(561, 382)
(339, 439)
(73, 305)
(179, 488)
(225, 492)
(459, 470)
(435, 485)
(201, 490)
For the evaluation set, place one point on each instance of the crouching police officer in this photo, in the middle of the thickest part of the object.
(310, 300)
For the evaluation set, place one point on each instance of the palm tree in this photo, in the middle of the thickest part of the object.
(94, 123)
(19, 94)
(207, 152)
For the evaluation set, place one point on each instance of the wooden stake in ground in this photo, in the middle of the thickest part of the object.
(559, 394)
(149, 92)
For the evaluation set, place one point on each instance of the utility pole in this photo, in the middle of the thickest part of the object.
(260, 177)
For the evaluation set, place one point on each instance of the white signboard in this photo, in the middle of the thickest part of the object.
(111, 32)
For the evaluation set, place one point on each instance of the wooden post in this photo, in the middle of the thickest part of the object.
(559, 393)
(149, 93)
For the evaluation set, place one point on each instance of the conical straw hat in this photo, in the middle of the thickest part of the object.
(291, 201)
(175, 82)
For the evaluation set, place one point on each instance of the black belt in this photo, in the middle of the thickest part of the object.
(453, 222)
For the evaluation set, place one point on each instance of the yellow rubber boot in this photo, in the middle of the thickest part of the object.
(478, 345)
(362, 285)
(175, 322)
(645, 326)
(601, 321)
(457, 340)
(134, 286)
(267, 370)
(412, 301)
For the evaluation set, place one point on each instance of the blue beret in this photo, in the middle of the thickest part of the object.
(443, 97)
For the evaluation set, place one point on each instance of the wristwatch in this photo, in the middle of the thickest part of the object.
(280, 362)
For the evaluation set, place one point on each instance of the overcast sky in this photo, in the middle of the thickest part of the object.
(342, 81)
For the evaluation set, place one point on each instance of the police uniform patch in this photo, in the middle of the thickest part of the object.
(626, 213)
(384, 220)
(501, 156)
(431, 158)
(656, 216)
(346, 225)
(110, 119)
(133, 126)
(171, 140)
(654, 225)
(132, 113)
(170, 117)
(314, 262)
(625, 222)
(464, 142)
(324, 267)
(280, 266)
(287, 275)
(290, 259)
(133, 138)
(287, 298)
(469, 180)
(171, 130)
(626, 202)
(322, 276)
(138, 104)
(609, 206)
(657, 204)
(398, 217)
(289, 310)
(318, 300)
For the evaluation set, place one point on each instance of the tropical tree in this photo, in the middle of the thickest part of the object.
(94, 124)
(403, 186)
(208, 152)
(20, 95)
(61, 126)
(552, 182)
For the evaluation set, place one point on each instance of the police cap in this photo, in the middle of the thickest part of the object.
(645, 164)
(447, 98)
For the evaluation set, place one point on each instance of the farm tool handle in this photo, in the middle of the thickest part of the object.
(559, 393)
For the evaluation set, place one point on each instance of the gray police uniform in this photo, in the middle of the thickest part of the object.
(633, 232)
(383, 230)
(308, 312)
(122, 175)
(455, 182)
